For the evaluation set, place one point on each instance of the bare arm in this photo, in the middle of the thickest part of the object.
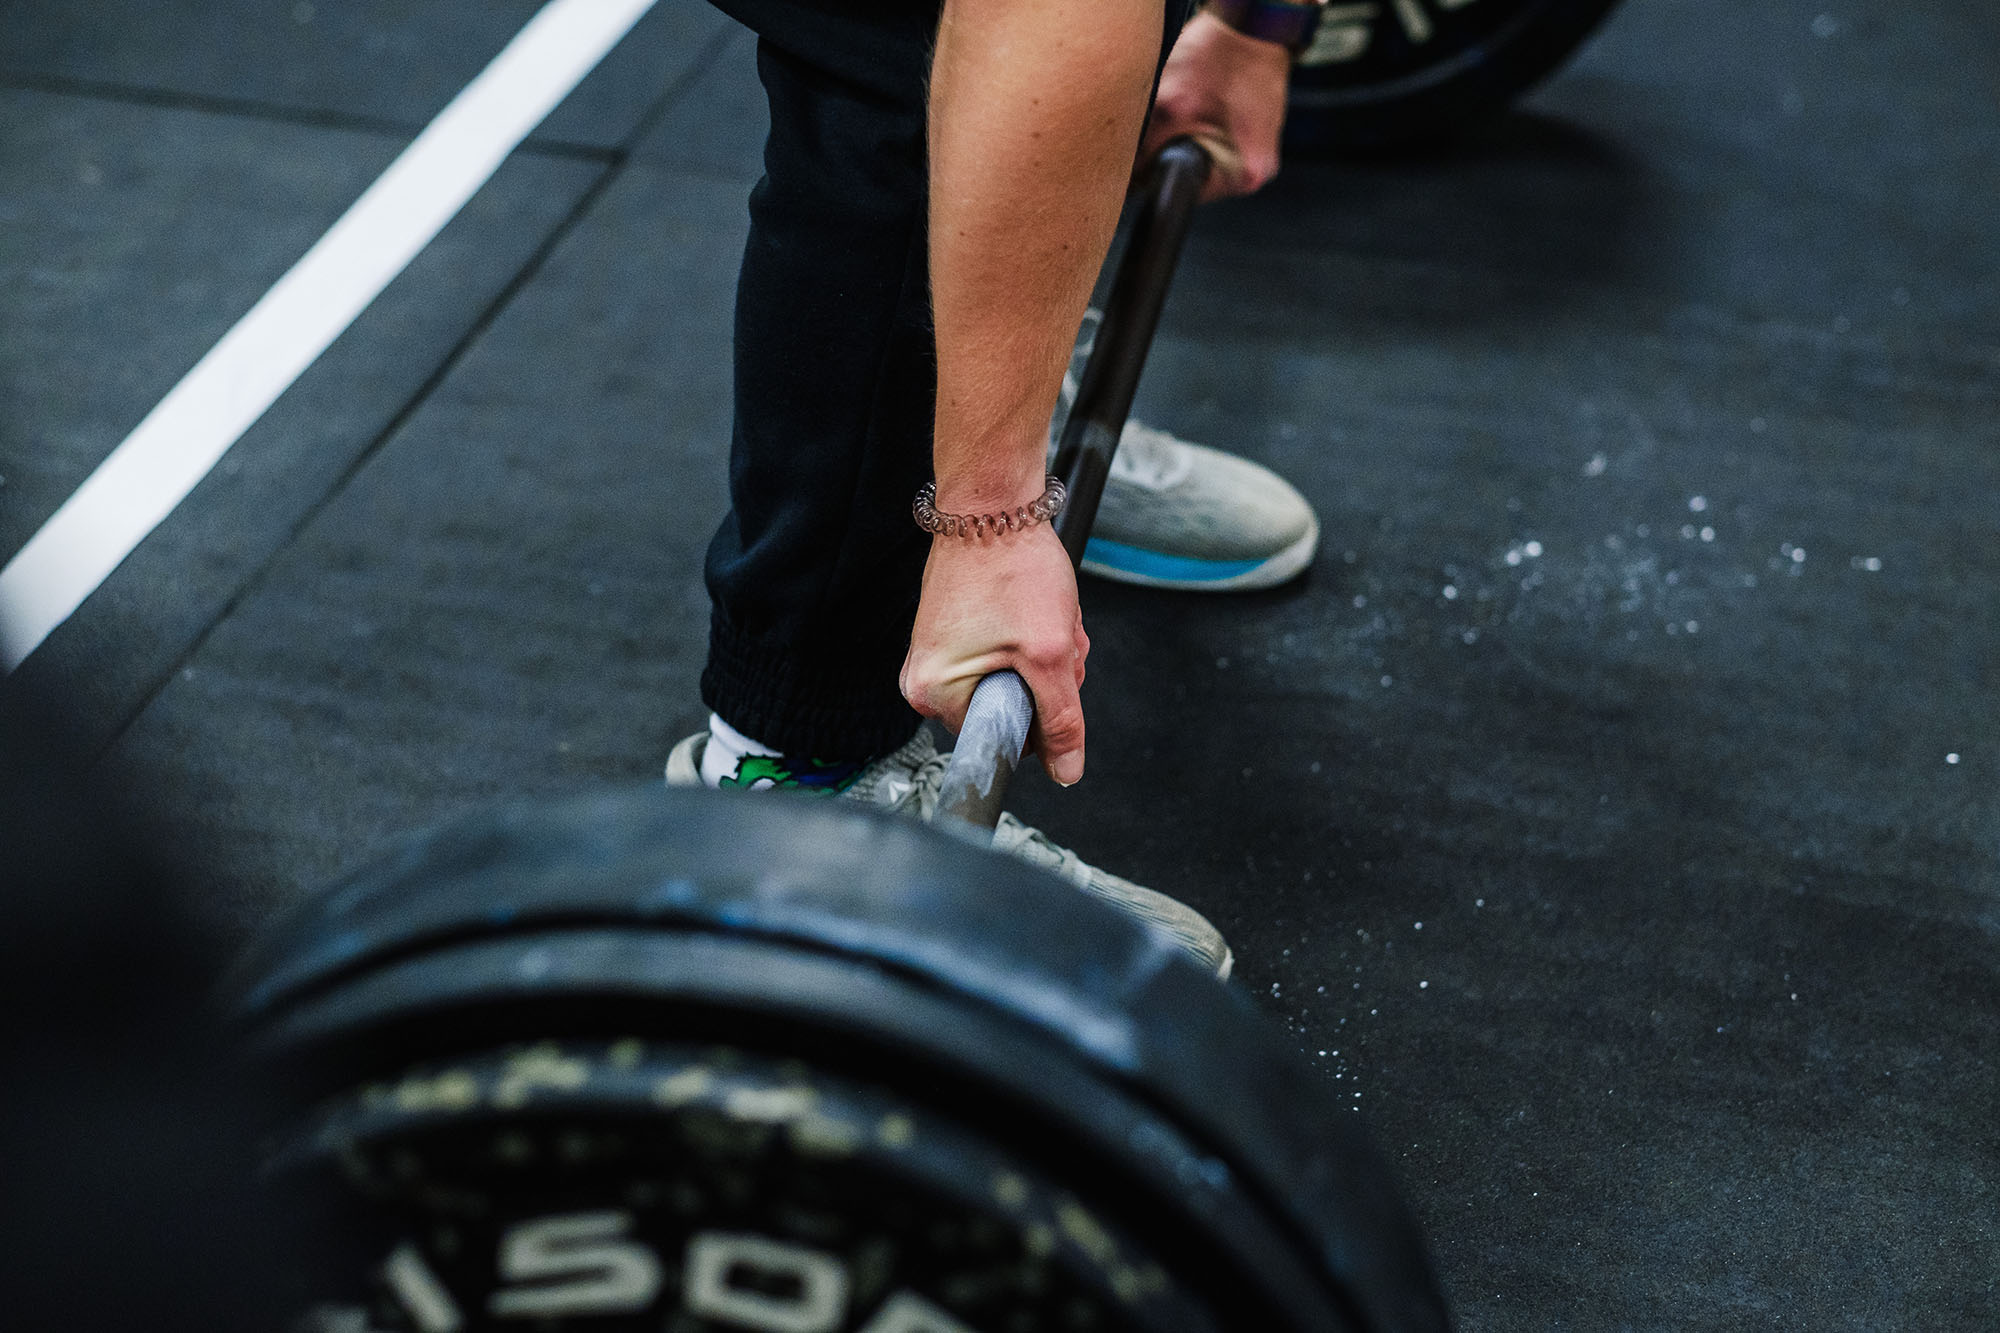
(1035, 113)
(1036, 108)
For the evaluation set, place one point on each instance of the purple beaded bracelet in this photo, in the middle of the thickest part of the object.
(1040, 510)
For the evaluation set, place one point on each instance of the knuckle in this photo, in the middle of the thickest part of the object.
(918, 694)
(1063, 726)
(1052, 655)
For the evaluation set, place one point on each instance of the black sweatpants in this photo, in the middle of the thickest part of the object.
(814, 574)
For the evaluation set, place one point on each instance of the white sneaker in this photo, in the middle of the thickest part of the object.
(907, 782)
(1182, 515)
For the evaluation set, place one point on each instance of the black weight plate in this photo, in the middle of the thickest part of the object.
(793, 922)
(1383, 73)
(966, 1059)
(609, 1181)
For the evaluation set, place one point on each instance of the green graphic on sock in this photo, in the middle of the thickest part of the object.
(780, 770)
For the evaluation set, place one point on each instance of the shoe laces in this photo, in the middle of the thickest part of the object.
(909, 781)
(1146, 456)
(1038, 849)
(1150, 457)
(910, 777)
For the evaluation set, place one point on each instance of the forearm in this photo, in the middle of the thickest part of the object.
(1036, 108)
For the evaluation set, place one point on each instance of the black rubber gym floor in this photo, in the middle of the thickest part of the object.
(1610, 810)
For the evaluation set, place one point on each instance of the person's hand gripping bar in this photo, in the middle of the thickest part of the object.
(997, 722)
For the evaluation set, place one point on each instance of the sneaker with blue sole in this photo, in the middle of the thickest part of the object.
(1185, 516)
(1181, 515)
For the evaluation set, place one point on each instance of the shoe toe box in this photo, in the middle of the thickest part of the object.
(1225, 508)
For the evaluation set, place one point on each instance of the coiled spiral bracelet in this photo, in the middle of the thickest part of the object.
(974, 526)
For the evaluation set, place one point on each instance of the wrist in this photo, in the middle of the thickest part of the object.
(993, 485)
(973, 525)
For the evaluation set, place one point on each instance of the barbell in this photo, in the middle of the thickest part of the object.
(688, 1061)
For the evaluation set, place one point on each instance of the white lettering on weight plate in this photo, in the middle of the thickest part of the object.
(578, 1264)
(764, 1285)
(1416, 23)
(420, 1293)
(1344, 34)
(907, 1312)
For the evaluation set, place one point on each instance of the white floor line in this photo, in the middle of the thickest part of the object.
(183, 438)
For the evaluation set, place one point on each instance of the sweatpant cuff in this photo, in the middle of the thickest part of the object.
(821, 704)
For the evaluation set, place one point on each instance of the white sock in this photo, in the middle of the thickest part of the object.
(726, 749)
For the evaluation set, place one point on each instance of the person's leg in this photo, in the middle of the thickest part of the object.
(814, 574)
